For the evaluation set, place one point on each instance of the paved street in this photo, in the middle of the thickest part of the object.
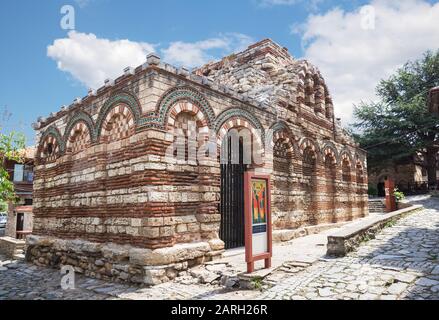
(402, 262)
(19, 280)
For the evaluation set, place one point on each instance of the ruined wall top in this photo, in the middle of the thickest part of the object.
(267, 72)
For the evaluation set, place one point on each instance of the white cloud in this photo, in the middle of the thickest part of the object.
(91, 60)
(192, 54)
(82, 3)
(353, 60)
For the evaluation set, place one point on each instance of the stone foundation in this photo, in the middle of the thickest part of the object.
(120, 263)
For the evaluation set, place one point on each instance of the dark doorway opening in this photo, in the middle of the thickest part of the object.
(232, 195)
(381, 191)
(20, 222)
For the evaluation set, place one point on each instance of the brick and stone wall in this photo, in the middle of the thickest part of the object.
(404, 175)
(109, 198)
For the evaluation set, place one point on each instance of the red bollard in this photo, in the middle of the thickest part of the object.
(390, 198)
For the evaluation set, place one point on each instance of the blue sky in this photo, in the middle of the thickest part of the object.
(44, 66)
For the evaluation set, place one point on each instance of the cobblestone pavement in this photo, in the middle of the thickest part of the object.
(23, 281)
(402, 262)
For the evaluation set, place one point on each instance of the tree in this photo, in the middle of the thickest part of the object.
(3, 206)
(399, 125)
(11, 146)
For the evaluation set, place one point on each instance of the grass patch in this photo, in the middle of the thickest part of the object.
(367, 237)
(389, 282)
(389, 224)
(256, 283)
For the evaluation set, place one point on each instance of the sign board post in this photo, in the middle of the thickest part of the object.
(389, 186)
(257, 208)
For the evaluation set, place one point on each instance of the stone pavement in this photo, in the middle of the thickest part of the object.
(400, 263)
(303, 250)
(22, 281)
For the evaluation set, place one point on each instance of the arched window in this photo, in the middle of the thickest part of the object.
(330, 167)
(79, 138)
(346, 170)
(49, 148)
(309, 162)
(283, 204)
(330, 177)
(309, 171)
(185, 136)
(359, 173)
(282, 158)
(119, 124)
(361, 189)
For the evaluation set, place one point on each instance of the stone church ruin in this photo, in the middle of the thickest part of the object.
(110, 201)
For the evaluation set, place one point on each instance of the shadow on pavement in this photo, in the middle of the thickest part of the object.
(413, 249)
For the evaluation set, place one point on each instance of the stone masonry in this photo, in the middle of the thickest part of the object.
(109, 200)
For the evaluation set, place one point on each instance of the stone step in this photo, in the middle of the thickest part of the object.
(19, 256)
(377, 211)
(20, 246)
(376, 206)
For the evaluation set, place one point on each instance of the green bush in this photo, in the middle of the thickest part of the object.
(3, 206)
(372, 191)
(399, 195)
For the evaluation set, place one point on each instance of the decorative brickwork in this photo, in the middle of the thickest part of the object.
(80, 117)
(78, 138)
(121, 98)
(118, 124)
(233, 118)
(190, 97)
(51, 145)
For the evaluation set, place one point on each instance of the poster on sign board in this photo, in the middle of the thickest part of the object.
(257, 219)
